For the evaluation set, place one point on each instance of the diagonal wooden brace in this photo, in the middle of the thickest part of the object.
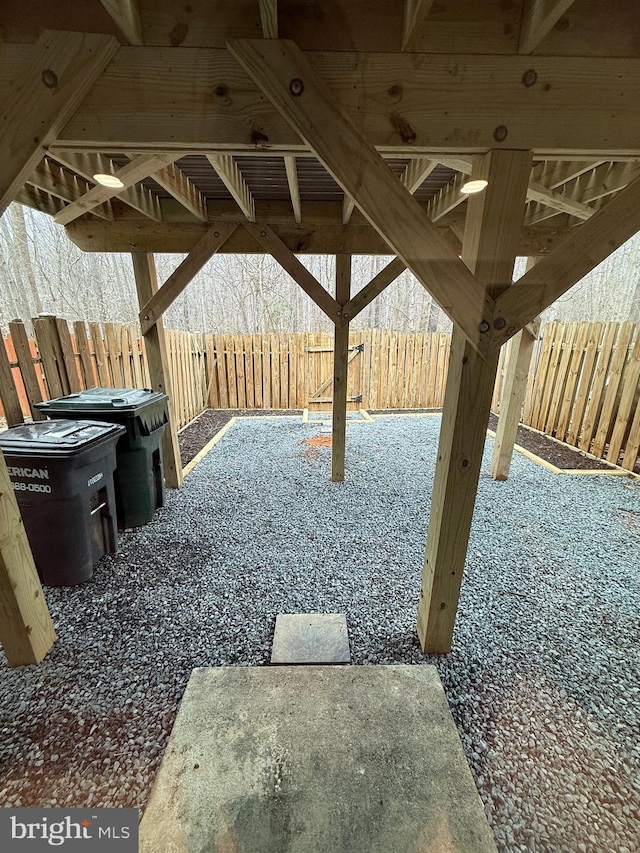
(285, 76)
(204, 249)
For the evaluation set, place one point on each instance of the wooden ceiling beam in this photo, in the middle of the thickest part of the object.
(272, 244)
(57, 182)
(139, 168)
(415, 15)
(288, 80)
(232, 178)
(538, 18)
(202, 252)
(38, 199)
(87, 165)
(60, 70)
(555, 173)
(161, 98)
(553, 275)
(316, 236)
(294, 189)
(126, 14)
(269, 18)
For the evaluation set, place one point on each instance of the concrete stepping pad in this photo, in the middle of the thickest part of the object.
(315, 759)
(310, 638)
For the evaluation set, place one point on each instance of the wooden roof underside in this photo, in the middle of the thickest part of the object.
(430, 83)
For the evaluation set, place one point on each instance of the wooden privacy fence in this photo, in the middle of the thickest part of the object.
(584, 388)
(61, 361)
(583, 385)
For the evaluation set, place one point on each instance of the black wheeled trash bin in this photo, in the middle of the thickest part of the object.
(139, 476)
(62, 477)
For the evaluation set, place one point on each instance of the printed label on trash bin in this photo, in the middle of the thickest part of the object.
(34, 473)
(69, 829)
(93, 480)
(32, 487)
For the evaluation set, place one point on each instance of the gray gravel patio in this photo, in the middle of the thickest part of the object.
(543, 680)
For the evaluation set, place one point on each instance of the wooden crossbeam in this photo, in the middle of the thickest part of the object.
(447, 199)
(538, 18)
(588, 245)
(231, 177)
(269, 18)
(298, 272)
(88, 164)
(285, 76)
(139, 168)
(415, 14)
(60, 71)
(56, 181)
(38, 199)
(374, 288)
(555, 173)
(175, 182)
(126, 14)
(348, 206)
(136, 103)
(202, 252)
(294, 189)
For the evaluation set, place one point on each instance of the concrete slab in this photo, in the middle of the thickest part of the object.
(315, 759)
(310, 638)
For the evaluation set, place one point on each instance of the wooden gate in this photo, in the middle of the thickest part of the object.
(319, 362)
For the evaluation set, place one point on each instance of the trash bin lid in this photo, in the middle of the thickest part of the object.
(57, 438)
(127, 400)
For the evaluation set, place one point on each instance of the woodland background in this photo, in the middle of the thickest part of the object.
(41, 271)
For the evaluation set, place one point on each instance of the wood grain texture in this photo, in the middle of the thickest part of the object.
(354, 163)
(340, 373)
(26, 629)
(232, 178)
(61, 68)
(538, 18)
(494, 220)
(155, 346)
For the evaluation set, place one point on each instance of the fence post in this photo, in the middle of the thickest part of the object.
(50, 349)
(8, 390)
(27, 368)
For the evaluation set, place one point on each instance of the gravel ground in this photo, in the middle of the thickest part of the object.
(542, 682)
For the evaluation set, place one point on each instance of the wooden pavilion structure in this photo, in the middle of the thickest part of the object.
(331, 126)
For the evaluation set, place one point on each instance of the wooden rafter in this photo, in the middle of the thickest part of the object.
(269, 18)
(294, 189)
(553, 275)
(348, 206)
(38, 199)
(298, 272)
(53, 179)
(538, 18)
(88, 164)
(60, 70)
(126, 14)
(202, 252)
(415, 14)
(177, 184)
(357, 167)
(414, 175)
(139, 168)
(232, 178)
(447, 199)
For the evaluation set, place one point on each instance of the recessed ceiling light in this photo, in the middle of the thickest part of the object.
(108, 181)
(473, 186)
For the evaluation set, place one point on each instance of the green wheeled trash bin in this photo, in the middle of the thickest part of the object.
(139, 479)
(62, 477)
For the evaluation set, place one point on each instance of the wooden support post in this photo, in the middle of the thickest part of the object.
(26, 629)
(492, 232)
(147, 284)
(340, 371)
(515, 386)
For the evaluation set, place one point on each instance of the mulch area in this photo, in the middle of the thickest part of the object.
(201, 430)
(558, 454)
